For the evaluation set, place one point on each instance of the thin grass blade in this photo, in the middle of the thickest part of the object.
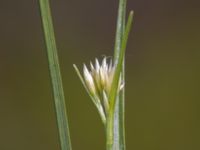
(58, 93)
(114, 88)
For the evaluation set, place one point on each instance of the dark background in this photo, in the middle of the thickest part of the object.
(162, 73)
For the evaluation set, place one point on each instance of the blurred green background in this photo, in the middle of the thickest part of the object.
(162, 73)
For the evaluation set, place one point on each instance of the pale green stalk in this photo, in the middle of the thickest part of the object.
(119, 118)
(111, 143)
(55, 74)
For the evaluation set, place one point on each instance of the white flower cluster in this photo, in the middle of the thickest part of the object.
(98, 81)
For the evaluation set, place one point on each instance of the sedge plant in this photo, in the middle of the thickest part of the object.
(104, 81)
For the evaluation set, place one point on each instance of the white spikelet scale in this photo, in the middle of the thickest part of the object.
(89, 80)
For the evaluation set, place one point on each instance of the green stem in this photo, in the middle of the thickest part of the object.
(55, 74)
(119, 118)
(121, 20)
(111, 143)
(109, 132)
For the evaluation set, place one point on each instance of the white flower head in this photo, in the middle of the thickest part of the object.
(99, 78)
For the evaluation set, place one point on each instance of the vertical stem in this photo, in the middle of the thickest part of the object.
(119, 118)
(109, 132)
(55, 74)
(113, 133)
(121, 105)
(121, 20)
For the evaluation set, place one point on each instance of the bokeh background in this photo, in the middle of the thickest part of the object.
(162, 73)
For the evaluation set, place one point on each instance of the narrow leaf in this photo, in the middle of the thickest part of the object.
(55, 74)
(114, 86)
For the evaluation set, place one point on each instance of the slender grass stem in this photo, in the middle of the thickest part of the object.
(55, 74)
(121, 20)
(111, 143)
(119, 118)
